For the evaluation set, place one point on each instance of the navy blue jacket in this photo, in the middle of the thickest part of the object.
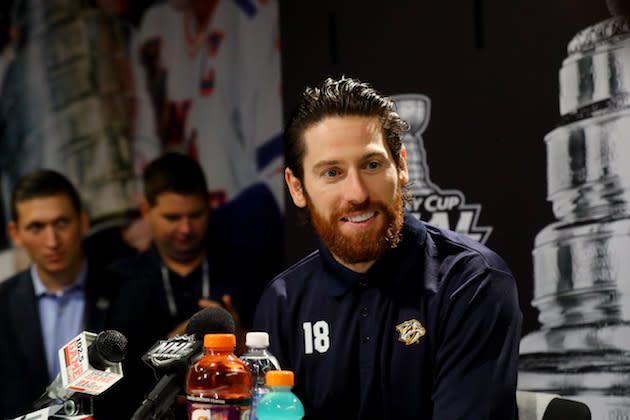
(431, 331)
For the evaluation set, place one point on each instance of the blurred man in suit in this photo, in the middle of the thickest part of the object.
(58, 296)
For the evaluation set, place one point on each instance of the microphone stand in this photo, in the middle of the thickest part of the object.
(77, 407)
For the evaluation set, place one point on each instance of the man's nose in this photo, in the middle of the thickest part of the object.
(51, 238)
(185, 226)
(355, 189)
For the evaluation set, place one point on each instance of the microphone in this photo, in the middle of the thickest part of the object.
(211, 320)
(543, 406)
(172, 357)
(89, 364)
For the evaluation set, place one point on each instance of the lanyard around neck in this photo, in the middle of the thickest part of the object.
(168, 288)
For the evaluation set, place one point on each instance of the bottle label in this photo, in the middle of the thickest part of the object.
(238, 402)
(218, 409)
(259, 392)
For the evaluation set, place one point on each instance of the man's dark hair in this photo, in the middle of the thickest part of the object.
(42, 183)
(173, 172)
(339, 98)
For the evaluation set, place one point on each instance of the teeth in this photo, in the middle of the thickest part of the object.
(361, 217)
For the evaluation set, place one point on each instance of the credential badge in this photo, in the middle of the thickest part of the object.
(410, 331)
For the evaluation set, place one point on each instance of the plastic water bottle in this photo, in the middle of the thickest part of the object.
(218, 385)
(260, 361)
(280, 403)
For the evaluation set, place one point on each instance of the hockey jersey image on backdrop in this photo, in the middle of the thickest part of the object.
(96, 97)
(209, 86)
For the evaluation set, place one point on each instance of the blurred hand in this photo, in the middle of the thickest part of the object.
(137, 234)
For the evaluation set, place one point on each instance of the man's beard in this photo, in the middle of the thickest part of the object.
(359, 247)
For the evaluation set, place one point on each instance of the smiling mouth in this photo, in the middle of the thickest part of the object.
(360, 218)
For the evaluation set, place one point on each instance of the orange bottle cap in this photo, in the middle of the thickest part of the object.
(222, 341)
(279, 378)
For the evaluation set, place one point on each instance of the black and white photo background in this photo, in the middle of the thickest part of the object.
(581, 264)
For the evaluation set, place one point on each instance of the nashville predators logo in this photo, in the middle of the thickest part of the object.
(410, 331)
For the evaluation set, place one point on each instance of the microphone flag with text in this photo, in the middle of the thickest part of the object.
(89, 364)
(171, 359)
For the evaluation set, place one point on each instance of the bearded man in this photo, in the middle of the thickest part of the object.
(391, 317)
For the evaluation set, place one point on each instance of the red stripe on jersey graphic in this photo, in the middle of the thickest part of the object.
(207, 83)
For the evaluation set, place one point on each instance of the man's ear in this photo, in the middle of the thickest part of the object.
(295, 188)
(85, 222)
(403, 173)
(145, 208)
(12, 229)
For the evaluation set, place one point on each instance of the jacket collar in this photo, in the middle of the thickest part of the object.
(40, 289)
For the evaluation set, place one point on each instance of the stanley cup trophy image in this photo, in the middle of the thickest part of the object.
(415, 110)
(67, 102)
(582, 261)
(444, 208)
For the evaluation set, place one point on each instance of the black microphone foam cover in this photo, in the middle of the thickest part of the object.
(109, 347)
(562, 409)
(211, 320)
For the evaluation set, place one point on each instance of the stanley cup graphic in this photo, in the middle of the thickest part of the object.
(444, 208)
(415, 110)
(582, 261)
(67, 102)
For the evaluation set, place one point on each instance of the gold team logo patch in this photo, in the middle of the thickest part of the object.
(410, 331)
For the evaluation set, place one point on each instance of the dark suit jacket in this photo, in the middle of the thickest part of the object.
(23, 369)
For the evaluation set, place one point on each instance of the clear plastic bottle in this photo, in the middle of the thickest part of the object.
(218, 385)
(280, 403)
(260, 361)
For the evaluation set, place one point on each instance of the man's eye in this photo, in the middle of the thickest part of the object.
(331, 173)
(197, 216)
(34, 228)
(373, 165)
(61, 223)
(171, 218)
